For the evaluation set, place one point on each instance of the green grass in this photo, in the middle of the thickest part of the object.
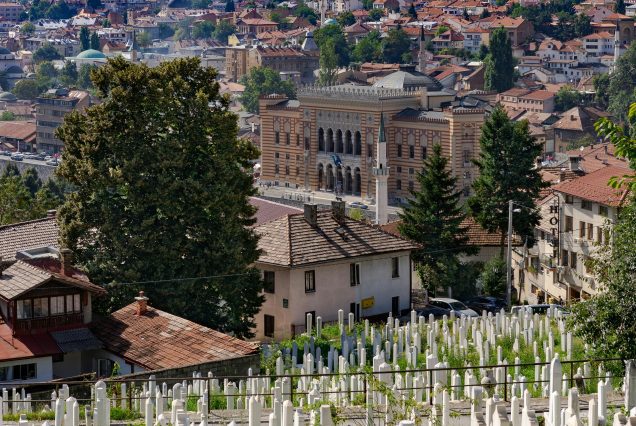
(33, 416)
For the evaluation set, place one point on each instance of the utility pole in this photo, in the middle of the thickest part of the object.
(509, 257)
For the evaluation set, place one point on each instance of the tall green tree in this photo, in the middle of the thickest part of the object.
(619, 6)
(162, 193)
(15, 200)
(345, 19)
(567, 97)
(433, 218)
(369, 48)
(412, 12)
(601, 89)
(46, 53)
(376, 14)
(229, 6)
(165, 30)
(499, 70)
(26, 89)
(506, 172)
(85, 38)
(31, 180)
(624, 140)
(95, 42)
(203, 29)
(334, 33)
(328, 64)
(69, 73)
(263, 81)
(622, 84)
(84, 76)
(396, 47)
(223, 30)
(493, 277)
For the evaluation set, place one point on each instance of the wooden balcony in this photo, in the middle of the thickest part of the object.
(34, 325)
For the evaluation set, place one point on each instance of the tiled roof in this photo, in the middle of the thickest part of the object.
(157, 339)
(540, 95)
(594, 186)
(24, 130)
(477, 236)
(77, 339)
(597, 156)
(27, 346)
(291, 241)
(27, 235)
(21, 277)
(270, 210)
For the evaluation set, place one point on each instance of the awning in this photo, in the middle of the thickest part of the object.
(78, 339)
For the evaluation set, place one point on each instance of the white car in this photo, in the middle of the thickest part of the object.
(17, 156)
(453, 305)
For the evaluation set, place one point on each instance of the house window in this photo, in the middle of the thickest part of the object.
(411, 151)
(399, 150)
(569, 223)
(603, 211)
(581, 229)
(599, 234)
(573, 260)
(298, 140)
(287, 138)
(398, 169)
(590, 231)
(269, 278)
(24, 309)
(24, 371)
(586, 204)
(310, 281)
(354, 274)
(277, 137)
(423, 153)
(57, 305)
(269, 325)
(41, 307)
(398, 184)
(395, 267)
(411, 185)
(564, 257)
(569, 199)
(276, 169)
(4, 374)
(105, 367)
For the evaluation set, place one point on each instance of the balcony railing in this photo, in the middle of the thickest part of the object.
(26, 326)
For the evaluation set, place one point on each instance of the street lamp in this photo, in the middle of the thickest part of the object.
(511, 210)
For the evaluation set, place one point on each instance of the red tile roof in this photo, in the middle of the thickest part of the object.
(157, 339)
(270, 210)
(27, 346)
(594, 186)
(597, 156)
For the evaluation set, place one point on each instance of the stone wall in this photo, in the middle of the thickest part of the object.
(45, 172)
(224, 368)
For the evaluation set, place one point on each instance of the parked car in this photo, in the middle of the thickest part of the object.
(17, 156)
(486, 303)
(358, 205)
(53, 162)
(31, 156)
(453, 305)
(539, 309)
(426, 311)
(5, 153)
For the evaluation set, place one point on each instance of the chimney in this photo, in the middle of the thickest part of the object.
(311, 214)
(338, 210)
(142, 303)
(605, 148)
(51, 213)
(562, 176)
(66, 262)
(574, 163)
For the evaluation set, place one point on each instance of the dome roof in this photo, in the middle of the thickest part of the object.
(14, 69)
(8, 97)
(330, 21)
(408, 81)
(91, 54)
(4, 51)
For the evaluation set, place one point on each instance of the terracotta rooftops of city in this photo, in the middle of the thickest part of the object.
(156, 339)
(270, 210)
(293, 241)
(594, 186)
(25, 235)
(597, 156)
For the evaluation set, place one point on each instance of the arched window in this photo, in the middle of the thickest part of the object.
(357, 145)
(321, 139)
(348, 143)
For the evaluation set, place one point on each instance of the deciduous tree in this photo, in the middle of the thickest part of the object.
(263, 81)
(162, 193)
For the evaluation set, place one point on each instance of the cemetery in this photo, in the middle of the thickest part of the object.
(493, 370)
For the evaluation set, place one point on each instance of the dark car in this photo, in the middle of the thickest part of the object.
(486, 303)
(426, 311)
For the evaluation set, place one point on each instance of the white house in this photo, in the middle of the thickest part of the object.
(320, 262)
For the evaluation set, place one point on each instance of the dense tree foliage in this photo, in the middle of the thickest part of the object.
(493, 277)
(334, 33)
(306, 12)
(345, 19)
(165, 30)
(263, 81)
(223, 30)
(376, 14)
(570, 24)
(52, 10)
(229, 6)
(26, 89)
(369, 48)
(95, 42)
(85, 38)
(499, 71)
(24, 197)
(506, 172)
(396, 47)
(46, 53)
(162, 193)
(567, 97)
(620, 89)
(69, 74)
(433, 218)
(328, 64)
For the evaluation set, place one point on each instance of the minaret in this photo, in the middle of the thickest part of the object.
(322, 13)
(381, 173)
(617, 48)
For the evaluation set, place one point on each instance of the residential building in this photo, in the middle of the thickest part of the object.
(474, 38)
(576, 223)
(51, 109)
(11, 11)
(321, 262)
(325, 140)
(575, 124)
(255, 25)
(17, 135)
(530, 100)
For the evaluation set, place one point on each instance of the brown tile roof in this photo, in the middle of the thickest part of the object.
(21, 277)
(270, 210)
(540, 95)
(24, 130)
(594, 186)
(290, 241)
(477, 236)
(597, 156)
(157, 339)
(27, 235)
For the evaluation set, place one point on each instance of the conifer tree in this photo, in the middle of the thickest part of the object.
(506, 172)
(433, 218)
(499, 71)
(85, 39)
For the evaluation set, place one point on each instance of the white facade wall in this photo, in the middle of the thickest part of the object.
(334, 291)
(44, 368)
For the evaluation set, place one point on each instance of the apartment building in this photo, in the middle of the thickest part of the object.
(577, 218)
(51, 108)
(10, 11)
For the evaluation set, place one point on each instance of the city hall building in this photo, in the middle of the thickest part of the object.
(326, 139)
